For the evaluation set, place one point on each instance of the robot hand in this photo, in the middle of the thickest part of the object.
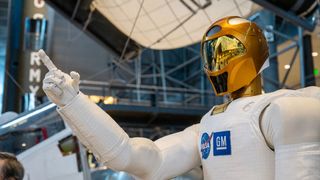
(59, 86)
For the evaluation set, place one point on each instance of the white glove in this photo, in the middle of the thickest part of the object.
(59, 86)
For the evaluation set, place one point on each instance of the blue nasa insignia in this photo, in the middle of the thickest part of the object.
(205, 145)
(221, 143)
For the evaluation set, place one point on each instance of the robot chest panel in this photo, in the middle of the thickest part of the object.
(233, 143)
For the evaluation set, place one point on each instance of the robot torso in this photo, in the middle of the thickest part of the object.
(231, 143)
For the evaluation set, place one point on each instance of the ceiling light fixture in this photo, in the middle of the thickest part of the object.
(287, 66)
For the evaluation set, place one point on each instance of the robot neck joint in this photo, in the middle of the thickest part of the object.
(253, 89)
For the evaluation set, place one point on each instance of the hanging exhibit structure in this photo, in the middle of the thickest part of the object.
(168, 24)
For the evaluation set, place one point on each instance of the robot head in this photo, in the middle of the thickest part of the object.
(233, 50)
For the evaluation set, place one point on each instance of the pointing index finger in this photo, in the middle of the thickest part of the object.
(46, 60)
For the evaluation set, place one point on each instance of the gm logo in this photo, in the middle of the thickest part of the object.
(221, 143)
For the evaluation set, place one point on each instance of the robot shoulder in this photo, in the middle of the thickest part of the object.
(194, 129)
(294, 119)
(311, 91)
(284, 96)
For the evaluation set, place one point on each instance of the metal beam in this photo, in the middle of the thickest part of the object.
(295, 20)
(142, 71)
(150, 75)
(308, 60)
(302, 73)
(138, 76)
(84, 162)
(163, 78)
(193, 50)
(119, 64)
(182, 65)
(193, 75)
(87, 84)
(292, 45)
(192, 97)
(280, 34)
(291, 64)
(154, 68)
(269, 19)
(180, 82)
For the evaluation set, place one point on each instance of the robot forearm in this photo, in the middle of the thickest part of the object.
(106, 139)
(95, 128)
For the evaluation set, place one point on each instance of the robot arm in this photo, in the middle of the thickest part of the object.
(163, 159)
(291, 125)
(168, 157)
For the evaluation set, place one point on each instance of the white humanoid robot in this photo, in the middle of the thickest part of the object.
(254, 136)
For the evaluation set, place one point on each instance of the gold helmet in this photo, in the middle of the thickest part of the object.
(233, 50)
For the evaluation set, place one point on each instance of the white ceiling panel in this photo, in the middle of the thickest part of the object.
(159, 17)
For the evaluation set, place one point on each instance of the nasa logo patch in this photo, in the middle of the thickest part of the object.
(205, 145)
(221, 143)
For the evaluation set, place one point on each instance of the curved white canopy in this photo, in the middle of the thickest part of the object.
(159, 17)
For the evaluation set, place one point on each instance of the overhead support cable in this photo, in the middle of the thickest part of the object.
(238, 7)
(126, 44)
(131, 31)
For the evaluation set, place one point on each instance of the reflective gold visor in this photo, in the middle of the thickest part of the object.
(218, 52)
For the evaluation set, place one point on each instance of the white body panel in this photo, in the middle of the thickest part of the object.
(44, 161)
